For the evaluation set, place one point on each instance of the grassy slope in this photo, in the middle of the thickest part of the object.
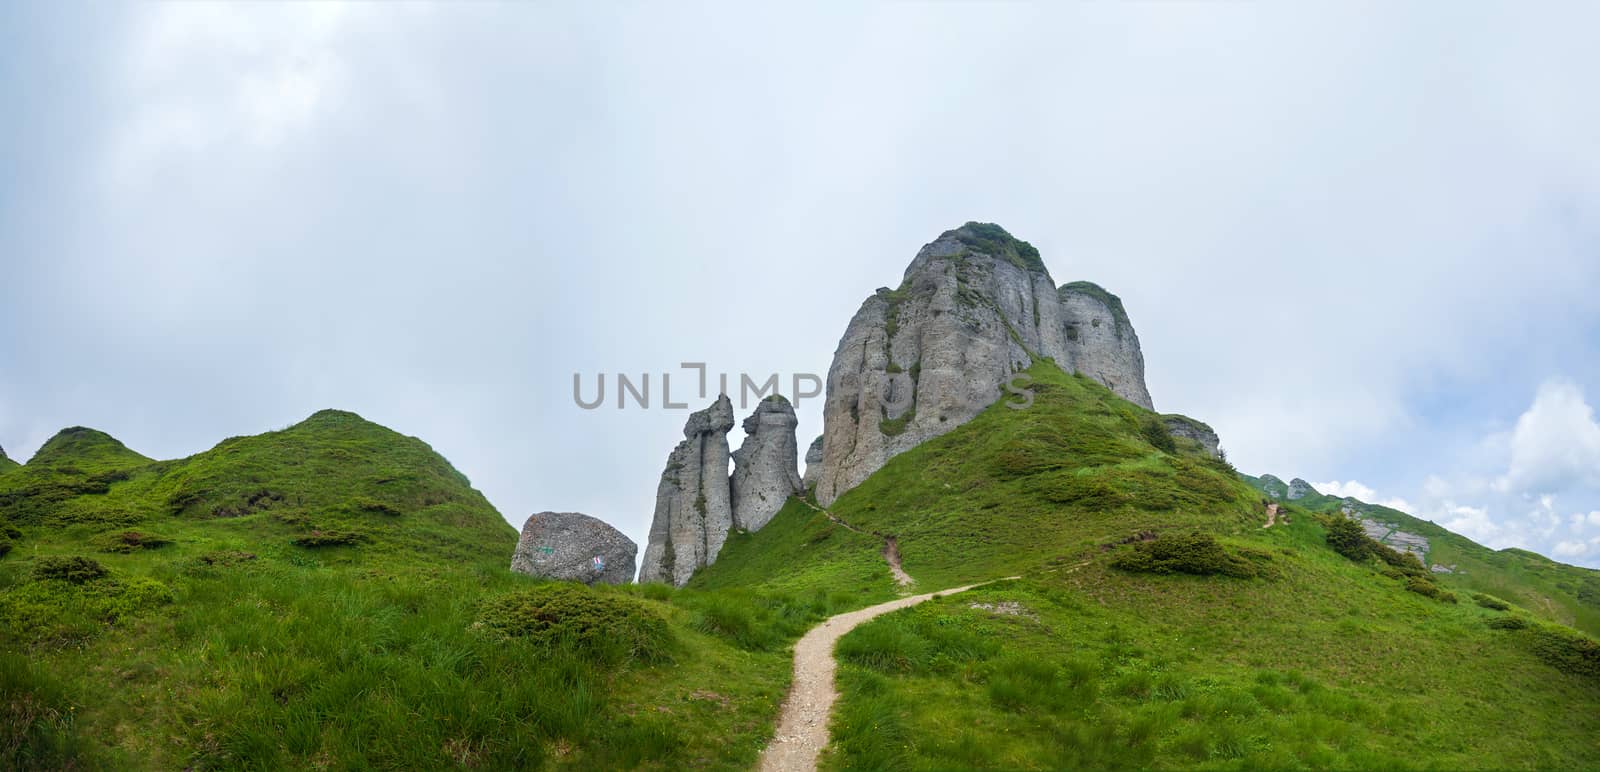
(1329, 664)
(1566, 594)
(231, 646)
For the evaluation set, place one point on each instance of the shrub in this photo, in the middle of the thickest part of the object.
(1346, 537)
(1195, 553)
(1424, 586)
(601, 626)
(1405, 562)
(1508, 623)
(131, 541)
(76, 570)
(5, 545)
(1567, 650)
(372, 507)
(1156, 433)
(330, 539)
(1491, 602)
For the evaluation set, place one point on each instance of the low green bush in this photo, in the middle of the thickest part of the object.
(76, 570)
(1425, 587)
(1346, 537)
(132, 541)
(1194, 553)
(601, 626)
(1508, 623)
(330, 539)
(1491, 602)
(1566, 650)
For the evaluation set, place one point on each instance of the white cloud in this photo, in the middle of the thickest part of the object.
(1569, 549)
(1471, 522)
(1355, 489)
(1556, 444)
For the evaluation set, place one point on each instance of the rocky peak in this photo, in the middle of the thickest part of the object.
(765, 471)
(813, 463)
(976, 306)
(1101, 342)
(1299, 489)
(693, 511)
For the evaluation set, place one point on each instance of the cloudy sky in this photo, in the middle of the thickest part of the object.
(1364, 243)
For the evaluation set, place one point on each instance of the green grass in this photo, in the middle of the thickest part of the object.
(1569, 595)
(207, 613)
(1217, 643)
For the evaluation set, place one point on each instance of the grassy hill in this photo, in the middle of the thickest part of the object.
(335, 594)
(1157, 622)
(1566, 594)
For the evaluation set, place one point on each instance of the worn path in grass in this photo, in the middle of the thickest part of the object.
(891, 547)
(803, 720)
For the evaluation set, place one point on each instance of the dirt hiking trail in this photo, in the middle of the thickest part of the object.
(803, 721)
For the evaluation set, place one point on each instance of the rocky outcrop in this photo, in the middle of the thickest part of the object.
(765, 468)
(1384, 532)
(1101, 342)
(975, 307)
(1299, 489)
(574, 547)
(1272, 486)
(813, 463)
(1184, 427)
(693, 511)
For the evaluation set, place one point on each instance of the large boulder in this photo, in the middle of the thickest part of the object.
(765, 470)
(574, 547)
(813, 463)
(1196, 431)
(975, 307)
(693, 510)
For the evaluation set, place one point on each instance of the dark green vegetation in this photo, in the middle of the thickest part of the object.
(993, 240)
(1157, 623)
(337, 595)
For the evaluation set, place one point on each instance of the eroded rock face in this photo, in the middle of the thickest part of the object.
(1274, 486)
(765, 471)
(813, 463)
(575, 547)
(975, 307)
(693, 510)
(1189, 428)
(1299, 489)
(1101, 343)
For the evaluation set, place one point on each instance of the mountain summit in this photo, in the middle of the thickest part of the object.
(975, 308)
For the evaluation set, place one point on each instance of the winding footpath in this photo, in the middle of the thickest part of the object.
(803, 720)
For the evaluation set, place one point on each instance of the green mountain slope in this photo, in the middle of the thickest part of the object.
(335, 594)
(1563, 593)
(1157, 623)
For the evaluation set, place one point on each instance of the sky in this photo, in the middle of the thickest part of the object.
(1363, 242)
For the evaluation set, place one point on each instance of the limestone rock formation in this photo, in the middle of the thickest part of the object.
(1385, 532)
(1101, 342)
(1299, 489)
(813, 463)
(575, 547)
(1188, 428)
(975, 307)
(765, 471)
(1273, 486)
(693, 510)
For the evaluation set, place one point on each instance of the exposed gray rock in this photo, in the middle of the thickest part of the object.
(1188, 428)
(765, 471)
(1299, 489)
(975, 307)
(574, 547)
(1387, 533)
(1100, 341)
(693, 511)
(1273, 486)
(813, 463)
